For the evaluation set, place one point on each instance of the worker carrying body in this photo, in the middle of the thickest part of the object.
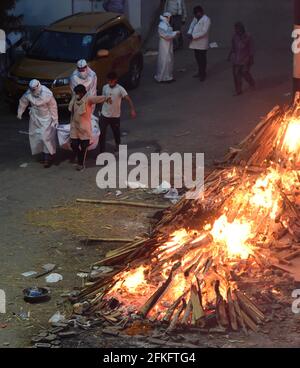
(81, 108)
(86, 76)
(43, 120)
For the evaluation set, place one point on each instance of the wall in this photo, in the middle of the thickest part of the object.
(44, 12)
(269, 21)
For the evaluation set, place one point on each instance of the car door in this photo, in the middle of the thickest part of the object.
(102, 66)
(122, 49)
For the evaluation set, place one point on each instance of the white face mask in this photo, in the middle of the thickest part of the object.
(36, 92)
(83, 75)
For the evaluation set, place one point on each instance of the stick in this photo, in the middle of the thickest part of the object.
(124, 203)
(106, 240)
(159, 293)
(232, 314)
(176, 317)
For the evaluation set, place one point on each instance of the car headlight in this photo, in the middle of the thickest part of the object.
(61, 82)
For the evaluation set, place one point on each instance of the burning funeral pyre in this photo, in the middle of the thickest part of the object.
(187, 273)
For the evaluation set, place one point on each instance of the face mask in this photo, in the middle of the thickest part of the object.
(83, 75)
(36, 92)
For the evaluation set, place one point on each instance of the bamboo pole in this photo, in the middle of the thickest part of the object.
(124, 203)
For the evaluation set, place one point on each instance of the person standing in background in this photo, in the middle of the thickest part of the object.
(165, 62)
(198, 35)
(177, 8)
(242, 58)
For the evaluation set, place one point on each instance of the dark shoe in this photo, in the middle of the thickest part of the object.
(196, 75)
(80, 167)
(202, 78)
(237, 93)
(47, 164)
(170, 81)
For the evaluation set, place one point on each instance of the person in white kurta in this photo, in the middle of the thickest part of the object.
(165, 63)
(85, 76)
(198, 34)
(43, 120)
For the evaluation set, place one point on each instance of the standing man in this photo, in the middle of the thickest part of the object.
(43, 120)
(86, 76)
(177, 8)
(242, 57)
(81, 108)
(198, 35)
(111, 110)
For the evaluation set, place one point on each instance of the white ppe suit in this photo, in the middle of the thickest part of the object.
(43, 120)
(87, 78)
(165, 63)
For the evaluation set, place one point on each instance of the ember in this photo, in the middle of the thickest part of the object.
(184, 277)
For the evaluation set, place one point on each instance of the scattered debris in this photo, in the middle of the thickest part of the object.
(53, 278)
(57, 318)
(135, 185)
(213, 45)
(163, 188)
(29, 273)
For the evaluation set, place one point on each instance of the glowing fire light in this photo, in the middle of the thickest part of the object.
(292, 137)
(233, 235)
(133, 280)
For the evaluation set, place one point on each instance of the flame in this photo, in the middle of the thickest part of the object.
(132, 281)
(265, 193)
(292, 137)
(232, 235)
(248, 207)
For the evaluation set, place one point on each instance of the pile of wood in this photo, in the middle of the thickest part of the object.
(205, 271)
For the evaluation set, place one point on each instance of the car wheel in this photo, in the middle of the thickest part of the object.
(134, 75)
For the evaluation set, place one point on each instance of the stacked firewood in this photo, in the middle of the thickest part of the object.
(233, 308)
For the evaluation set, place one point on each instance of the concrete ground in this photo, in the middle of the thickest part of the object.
(187, 116)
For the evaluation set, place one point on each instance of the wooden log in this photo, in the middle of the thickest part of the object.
(124, 203)
(248, 321)
(172, 308)
(220, 307)
(151, 302)
(175, 320)
(232, 313)
(249, 308)
(239, 314)
(198, 312)
(107, 240)
(187, 313)
(292, 256)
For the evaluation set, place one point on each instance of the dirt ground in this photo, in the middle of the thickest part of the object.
(40, 222)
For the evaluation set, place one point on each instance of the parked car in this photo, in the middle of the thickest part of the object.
(106, 40)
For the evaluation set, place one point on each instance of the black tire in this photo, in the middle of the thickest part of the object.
(134, 75)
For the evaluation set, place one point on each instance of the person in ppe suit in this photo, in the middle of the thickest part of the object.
(81, 108)
(43, 120)
(165, 63)
(86, 76)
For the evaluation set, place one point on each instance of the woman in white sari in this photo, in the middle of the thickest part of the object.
(165, 62)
